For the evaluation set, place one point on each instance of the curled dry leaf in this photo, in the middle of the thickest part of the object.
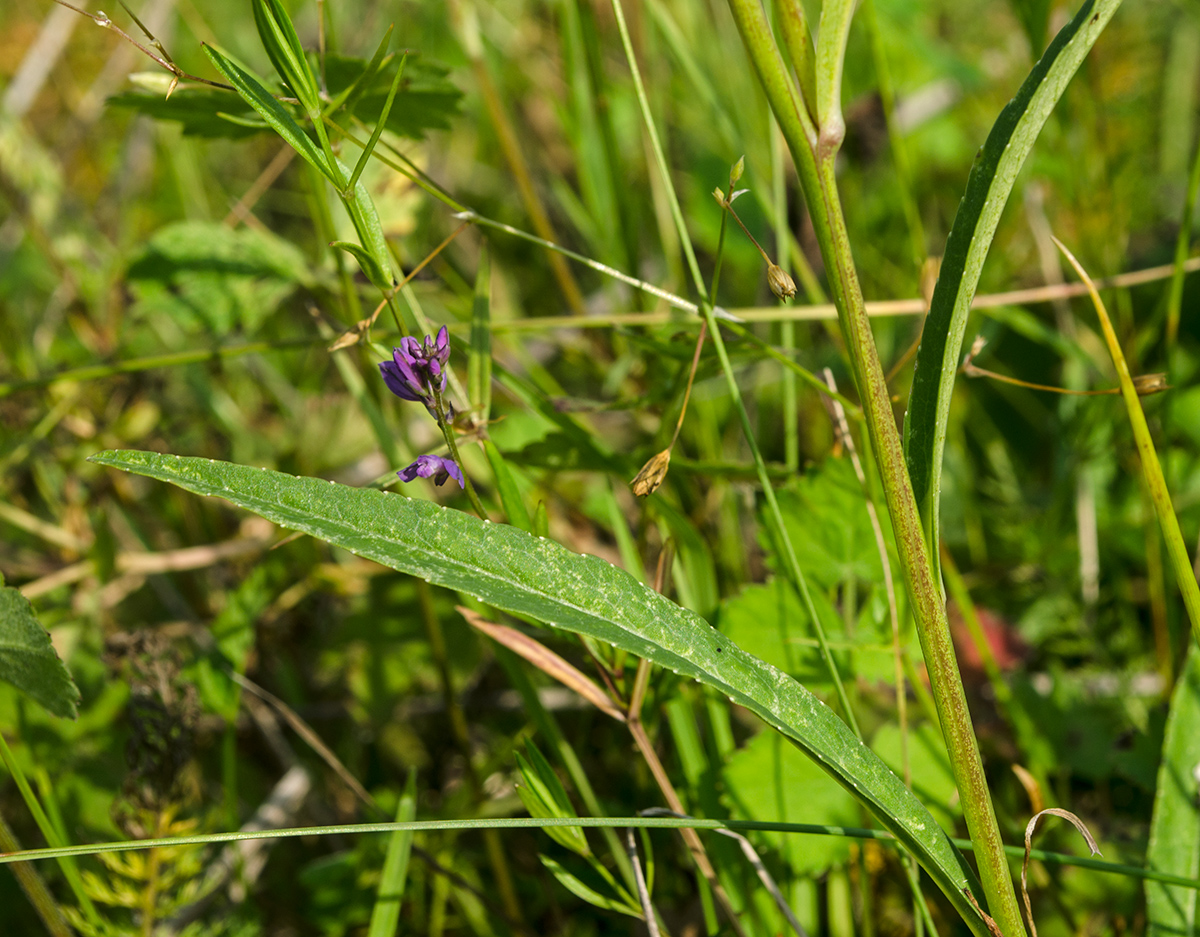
(1083, 831)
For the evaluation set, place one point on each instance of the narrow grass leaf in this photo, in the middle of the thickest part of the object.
(274, 113)
(385, 916)
(516, 572)
(1175, 825)
(506, 488)
(283, 47)
(1185, 576)
(577, 888)
(988, 187)
(351, 93)
(479, 361)
(379, 125)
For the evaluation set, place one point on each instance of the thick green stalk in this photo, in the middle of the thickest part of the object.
(814, 164)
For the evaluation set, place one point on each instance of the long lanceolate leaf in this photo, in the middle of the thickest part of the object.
(528, 575)
(991, 180)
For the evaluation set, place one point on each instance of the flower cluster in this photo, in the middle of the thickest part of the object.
(417, 372)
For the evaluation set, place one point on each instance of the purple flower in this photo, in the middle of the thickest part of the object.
(418, 368)
(435, 467)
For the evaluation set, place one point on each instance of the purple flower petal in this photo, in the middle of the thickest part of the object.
(453, 471)
(396, 382)
(434, 467)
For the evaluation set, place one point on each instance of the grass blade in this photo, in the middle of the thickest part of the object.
(385, 916)
(1151, 467)
(988, 187)
(479, 362)
(379, 125)
(1175, 826)
(511, 570)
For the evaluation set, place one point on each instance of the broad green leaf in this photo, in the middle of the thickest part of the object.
(826, 517)
(385, 916)
(769, 621)
(426, 100)
(991, 180)
(1175, 825)
(28, 660)
(577, 888)
(932, 779)
(201, 113)
(271, 111)
(511, 570)
(772, 782)
(208, 275)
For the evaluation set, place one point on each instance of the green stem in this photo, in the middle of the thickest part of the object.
(656, 146)
(452, 445)
(787, 330)
(814, 165)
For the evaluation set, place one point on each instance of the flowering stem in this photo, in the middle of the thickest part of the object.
(448, 433)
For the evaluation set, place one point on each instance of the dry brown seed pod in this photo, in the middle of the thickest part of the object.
(782, 285)
(646, 481)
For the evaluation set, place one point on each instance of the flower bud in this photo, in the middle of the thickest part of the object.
(736, 170)
(782, 285)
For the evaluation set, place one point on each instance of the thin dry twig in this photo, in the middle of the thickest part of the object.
(302, 729)
(160, 56)
(987, 918)
(640, 879)
(1145, 384)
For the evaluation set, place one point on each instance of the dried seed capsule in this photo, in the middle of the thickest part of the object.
(782, 285)
(646, 481)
